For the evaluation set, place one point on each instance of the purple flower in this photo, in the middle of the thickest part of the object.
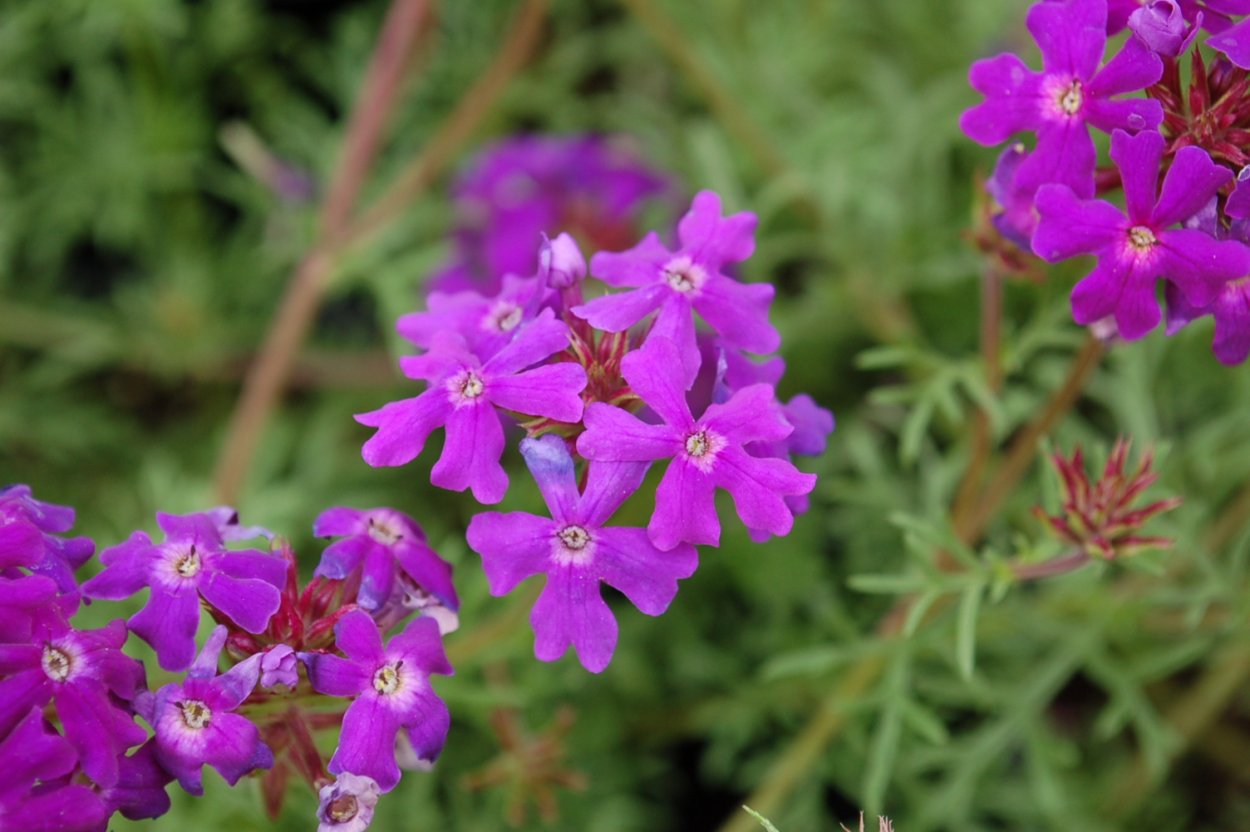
(391, 687)
(706, 454)
(1134, 251)
(195, 724)
(347, 804)
(28, 603)
(381, 542)
(35, 795)
(576, 552)
(1235, 43)
(691, 279)
(1016, 220)
(560, 262)
(486, 323)
(81, 671)
(278, 666)
(1069, 94)
(28, 538)
(192, 563)
(1161, 25)
(463, 395)
(524, 186)
(1231, 311)
(139, 793)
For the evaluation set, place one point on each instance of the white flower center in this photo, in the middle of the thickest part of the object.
(1069, 98)
(471, 386)
(188, 564)
(1141, 238)
(574, 538)
(683, 275)
(504, 316)
(195, 714)
(387, 680)
(383, 532)
(697, 444)
(57, 664)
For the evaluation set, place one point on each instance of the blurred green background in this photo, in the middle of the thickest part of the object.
(140, 265)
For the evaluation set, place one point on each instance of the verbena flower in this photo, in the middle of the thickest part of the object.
(1137, 247)
(35, 792)
(487, 323)
(1073, 91)
(464, 395)
(707, 453)
(391, 690)
(347, 804)
(85, 674)
(29, 538)
(676, 284)
(577, 551)
(382, 542)
(196, 725)
(191, 563)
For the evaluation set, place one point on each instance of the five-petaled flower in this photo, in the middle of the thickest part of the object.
(1137, 247)
(196, 725)
(382, 542)
(706, 453)
(463, 395)
(391, 690)
(192, 563)
(691, 279)
(577, 551)
(1072, 91)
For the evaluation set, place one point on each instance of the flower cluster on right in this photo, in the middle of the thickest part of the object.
(1192, 230)
(605, 386)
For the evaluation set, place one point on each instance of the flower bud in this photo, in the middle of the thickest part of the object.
(1161, 26)
(560, 262)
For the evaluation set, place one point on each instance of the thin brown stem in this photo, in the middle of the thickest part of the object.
(469, 112)
(971, 524)
(991, 346)
(265, 384)
(383, 80)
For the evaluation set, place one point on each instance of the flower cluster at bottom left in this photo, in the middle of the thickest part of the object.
(73, 705)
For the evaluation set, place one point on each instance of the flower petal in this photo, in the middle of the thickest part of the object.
(471, 454)
(571, 610)
(403, 427)
(513, 547)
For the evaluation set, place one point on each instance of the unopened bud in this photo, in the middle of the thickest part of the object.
(560, 262)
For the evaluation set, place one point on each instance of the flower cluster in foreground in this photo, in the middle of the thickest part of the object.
(607, 385)
(1190, 230)
(84, 735)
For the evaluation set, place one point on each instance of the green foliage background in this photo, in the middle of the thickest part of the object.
(139, 266)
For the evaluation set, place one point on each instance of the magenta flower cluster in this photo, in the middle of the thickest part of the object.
(1178, 156)
(84, 736)
(606, 385)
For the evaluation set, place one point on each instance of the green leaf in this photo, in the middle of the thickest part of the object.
(966, 629)
(765, 822)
